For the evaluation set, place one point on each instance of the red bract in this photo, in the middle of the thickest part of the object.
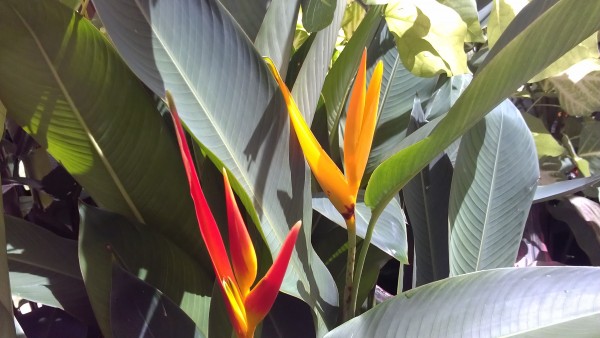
(247, 306)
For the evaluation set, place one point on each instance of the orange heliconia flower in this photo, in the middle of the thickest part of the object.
(247, 306)
(361, 119)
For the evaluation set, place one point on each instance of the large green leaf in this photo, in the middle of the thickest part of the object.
(248, 14)
(582, 215)
(467, 9)
(398, 90)
(390, 231)
(338, 81)
(426, 197)
(227, 98)
(63, 82)
(521, 302)
(558, 189)
(429, 37)
(504, 12)
(44, 268)
(545, 143)
(106, 236)
(318, 14)
(310, 79)
(276, 33)
(577, 87)
(589, 144)
(139, 310)
(508, 65)
(495, 177)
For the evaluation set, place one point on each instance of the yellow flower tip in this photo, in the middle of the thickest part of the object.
(235, 307)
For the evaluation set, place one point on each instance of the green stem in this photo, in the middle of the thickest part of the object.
(363, 254)
(347, 308)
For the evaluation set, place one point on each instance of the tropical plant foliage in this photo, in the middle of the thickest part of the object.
(485, 156)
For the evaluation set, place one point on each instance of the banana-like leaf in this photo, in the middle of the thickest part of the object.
(426, 197)
(318, 14)
(509, 64)
(512, 302)
(105, 236)
(429, 37)
(589, 144)
(44, 268)
(545, 143)
(310, 79)
(248, 14)
(398, 90)
(554, 190)
(227, 98)
(276, 33)
(577, 88)
(62, 81)
(583, 217)
(338, 81)
(138, 309)
(467, 9)
(503, 17)
(493, 185)
(390, 231)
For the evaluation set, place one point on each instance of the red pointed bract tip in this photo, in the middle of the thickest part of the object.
(206, 222)
(263, 295)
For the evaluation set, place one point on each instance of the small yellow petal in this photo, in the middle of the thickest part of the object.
(326, 172)
(235, 305)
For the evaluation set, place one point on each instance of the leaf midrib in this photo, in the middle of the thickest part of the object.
(80, 119)
(219, 132)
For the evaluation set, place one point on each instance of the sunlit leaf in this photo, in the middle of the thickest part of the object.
(429, 37)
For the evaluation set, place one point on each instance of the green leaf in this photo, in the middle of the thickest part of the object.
(545, 143)
(467, 9)
(503, 15)
(577, 88)
(137, 309)
(503, 302)
(338, 81)
(179, 45)
(44, 268)
(507, 66)
(495, 177)
(553, 191)
(353, 17)
(429, 37)
(105, 236)
(311, 77)
(398, 90)
(64, 83)
(582, 215)
(248, 14)
(277, 33)
(318, 14)
(390, 231)
(426, 197)
(7, 324)
(589, 144)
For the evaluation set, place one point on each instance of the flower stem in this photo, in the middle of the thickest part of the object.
(363, 255)
(348, 309)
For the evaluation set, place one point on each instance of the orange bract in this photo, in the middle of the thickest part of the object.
(360, 127)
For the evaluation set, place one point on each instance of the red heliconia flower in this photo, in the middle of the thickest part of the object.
(247, 305)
